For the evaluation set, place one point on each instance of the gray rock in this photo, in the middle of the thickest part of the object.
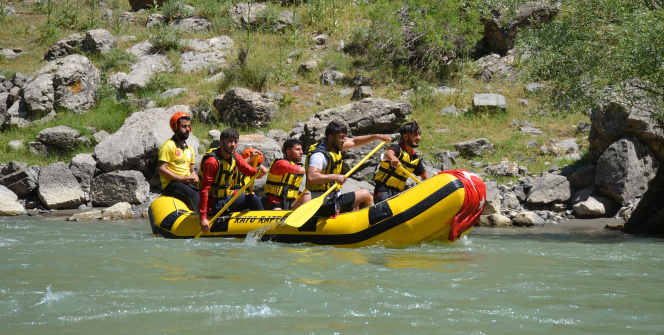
(142, 71)
(500, 34)
(172, 93)
(98, 41)
(550, 188)
(111, 188)
(368, 116)
(309, 66)
(583, 177)
(568, 146)
(447, 159)
(503, 169)
(92, 215)
(594, 207)
(62, 137)
(119, 211)
(451, 110)
(489, 101)
(278, 135)
(530, 130)
(510, 201)
(100, 135)
(115, 80)
(499, 221)
(582, 194)
(286, 19)
(154, 20)
(362, 92)
(353, 185)
(63, 47)
(136, 144)
(208, 53)
(474, 148)
(19, 79)
(493, 198)
(75, 82)
(330, 77)
(624, 170)
(45, 150)
(345, 92)
(83, 167)
(214, 134)
(528, 219)
(58, 188)
(7, 194)
(39, 95)
(244, 14)
(274, 96)
(15, 145)
(11, 208)
(532, 87)
(627, 112)
(193, 24)
(495, 67)
(241, 107)
(445, 90)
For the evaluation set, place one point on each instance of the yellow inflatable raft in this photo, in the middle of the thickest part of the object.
(426, 212)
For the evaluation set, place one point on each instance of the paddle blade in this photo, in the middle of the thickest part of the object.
(305, 212)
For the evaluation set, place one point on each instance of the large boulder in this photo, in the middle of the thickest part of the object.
(62, 137)
(111, 188)
(136, 144)
(550, 188)
(58, 188)
(368, 116)
(64, 47)
(83, 167)
(244, 14)
(500, 34)
(624, 170)
(627, 112)
(98, 41)
(204, 54)
(10, 208)
(474, 148)
(22, 182)
(493, 198)
(241, 107)
(594, 207)
(150, 63)
(39, 95)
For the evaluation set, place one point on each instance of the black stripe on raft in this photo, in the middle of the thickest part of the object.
(374, 230)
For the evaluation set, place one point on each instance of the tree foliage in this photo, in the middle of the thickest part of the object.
(598, 43)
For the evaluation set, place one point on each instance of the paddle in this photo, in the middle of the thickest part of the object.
(251, 189)
(408, 174)
(303, 213)
(228, 204)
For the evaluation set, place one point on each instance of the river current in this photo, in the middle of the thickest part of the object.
(115, 277)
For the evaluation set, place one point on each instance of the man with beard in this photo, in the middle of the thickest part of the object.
(389, 181)
(217, 167)
(175, 164)
(282, 187)
(323, 167)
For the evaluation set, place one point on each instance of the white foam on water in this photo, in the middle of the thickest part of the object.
(50, 297)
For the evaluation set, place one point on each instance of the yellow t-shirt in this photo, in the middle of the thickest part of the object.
(179, 160)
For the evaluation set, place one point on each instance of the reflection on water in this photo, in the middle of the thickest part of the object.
(115, 277)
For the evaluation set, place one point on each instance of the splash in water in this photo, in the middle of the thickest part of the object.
(255, 236)
(51, 297)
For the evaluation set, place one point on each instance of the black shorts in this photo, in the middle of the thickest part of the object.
(185, 192)
(344, 202)
(382, 193)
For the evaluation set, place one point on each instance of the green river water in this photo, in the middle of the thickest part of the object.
(116, 278)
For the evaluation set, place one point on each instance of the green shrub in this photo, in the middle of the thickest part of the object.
(117, 60)
(165, 39)
(594, 44)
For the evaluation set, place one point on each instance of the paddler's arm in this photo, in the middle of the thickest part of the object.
(362, 140)
(162, 170)
(315, 177)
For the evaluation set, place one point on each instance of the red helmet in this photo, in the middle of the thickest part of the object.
(176, 117)
(247, 153)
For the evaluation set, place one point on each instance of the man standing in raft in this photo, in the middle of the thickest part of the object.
(323, 167)
(284, 178)
(389, 180)
(217, 166)
(176, 163)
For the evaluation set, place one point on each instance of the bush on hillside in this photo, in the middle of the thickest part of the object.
(595, 44)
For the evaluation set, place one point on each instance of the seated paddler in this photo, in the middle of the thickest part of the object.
(389, 180)
(284, 177)
(217, 167)
(323, 167)
(175, 165)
